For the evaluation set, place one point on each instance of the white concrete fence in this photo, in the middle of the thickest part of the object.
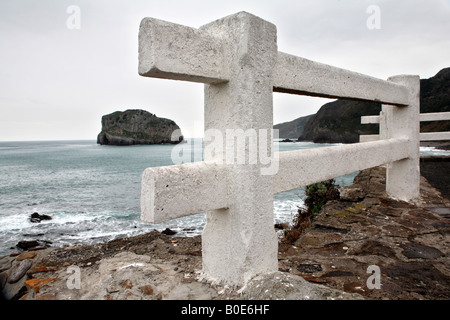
(238, 61)
(424, 136)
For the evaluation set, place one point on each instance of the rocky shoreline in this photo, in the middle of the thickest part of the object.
(408, 242)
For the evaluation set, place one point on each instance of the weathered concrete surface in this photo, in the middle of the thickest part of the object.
(172, 51)
(326, 81)
(299, 168)
(175, 191)
(240, 242)
(403, 177)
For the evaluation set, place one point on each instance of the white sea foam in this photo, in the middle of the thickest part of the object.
(431, 151)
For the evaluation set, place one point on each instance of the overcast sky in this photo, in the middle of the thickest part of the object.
(57, 82)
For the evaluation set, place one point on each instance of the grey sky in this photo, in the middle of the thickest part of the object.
(56, 83)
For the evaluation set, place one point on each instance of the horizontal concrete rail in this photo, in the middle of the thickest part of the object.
(435, 116)
(176, 191)
(431, 116)
(172, 51)
(302, 76)
(424, 136)
(369, 137)
(370, 119)
(302, 167)
(434, 136)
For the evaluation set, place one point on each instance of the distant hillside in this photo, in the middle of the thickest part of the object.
(435, 97)
(340, 121)
(292, 129)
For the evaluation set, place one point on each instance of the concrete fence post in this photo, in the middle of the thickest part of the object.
(403, 176)
(239, 241)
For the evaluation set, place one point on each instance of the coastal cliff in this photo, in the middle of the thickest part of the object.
(134, 126)
(292, 129)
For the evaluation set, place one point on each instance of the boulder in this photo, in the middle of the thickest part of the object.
(37, 218)
(135, 126)
(25, 245)
(169, 232)
(353, 194)
(19, 271)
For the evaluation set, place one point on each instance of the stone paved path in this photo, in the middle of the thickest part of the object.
(408, 242)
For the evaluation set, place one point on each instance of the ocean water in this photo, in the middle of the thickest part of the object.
(92, 192)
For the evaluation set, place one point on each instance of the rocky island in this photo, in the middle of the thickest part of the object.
(136, 126)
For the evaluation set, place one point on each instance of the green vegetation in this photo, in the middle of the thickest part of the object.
(318, 194)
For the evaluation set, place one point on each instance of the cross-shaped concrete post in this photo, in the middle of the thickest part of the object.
(234, 57)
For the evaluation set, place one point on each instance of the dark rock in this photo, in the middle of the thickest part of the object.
(287, 140)
(36, 217)
(5, 263)
(309, 268)
(338, 273)
(3, 278)
(281, 226)
(169, 232)
(354, 287)
(25, 245)
(351, 194)
(413, 275)
(22, 291)
(133, 127)
(417, 251)
(372, 247)
(14, 291)
(19, 271)
(397, 230)
(328, 229)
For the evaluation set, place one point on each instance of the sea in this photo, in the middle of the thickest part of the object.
(92, 192)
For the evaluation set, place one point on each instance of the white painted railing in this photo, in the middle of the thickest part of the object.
(424, 136)
(238, 61)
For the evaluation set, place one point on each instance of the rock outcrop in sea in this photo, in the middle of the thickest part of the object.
(136, 126)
